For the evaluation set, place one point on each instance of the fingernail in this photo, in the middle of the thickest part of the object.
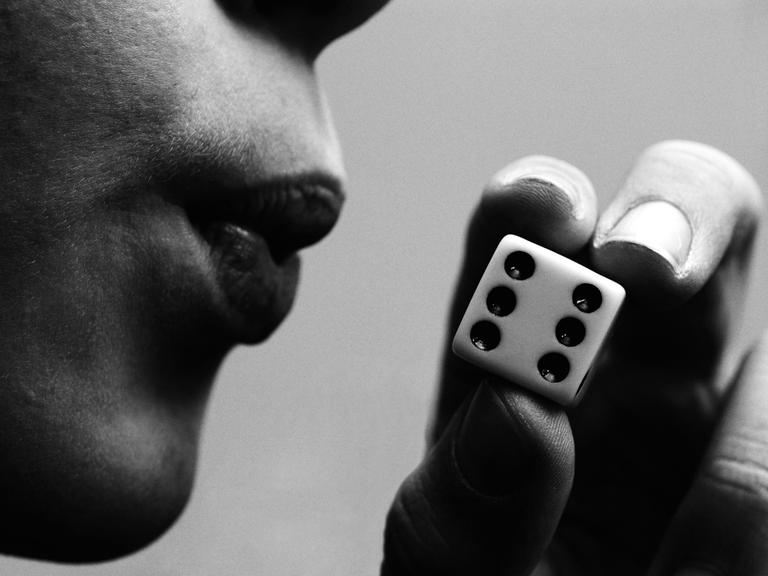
(658, 226)
(488, 449)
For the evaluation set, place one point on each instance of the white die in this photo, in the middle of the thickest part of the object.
(524, 322)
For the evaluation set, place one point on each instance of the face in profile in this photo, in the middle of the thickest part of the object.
(163, 161)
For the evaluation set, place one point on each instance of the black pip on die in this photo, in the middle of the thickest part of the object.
(538, 319)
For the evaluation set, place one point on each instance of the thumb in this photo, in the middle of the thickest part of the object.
(488, 496)
(722, 524)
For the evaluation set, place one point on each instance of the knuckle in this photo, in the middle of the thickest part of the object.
(742, 475)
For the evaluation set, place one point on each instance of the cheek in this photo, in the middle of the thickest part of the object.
(84, 76)
(100, 92)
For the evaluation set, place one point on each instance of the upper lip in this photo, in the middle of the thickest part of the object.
(290, 212)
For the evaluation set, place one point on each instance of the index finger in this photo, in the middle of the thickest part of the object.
(543, 199)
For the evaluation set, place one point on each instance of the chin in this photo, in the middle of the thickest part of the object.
(98, 536)
(85, 530)
(95, 492)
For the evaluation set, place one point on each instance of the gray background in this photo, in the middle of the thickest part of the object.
(308, 436)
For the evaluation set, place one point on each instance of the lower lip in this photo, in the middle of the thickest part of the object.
(252, 268)
(256, 292)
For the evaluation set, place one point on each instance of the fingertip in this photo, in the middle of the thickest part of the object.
(545, 421)
(727, 187)
(510, 437)
(683, 205)
(544, 199)
(576, 189)
(489, 495)
(712, 160)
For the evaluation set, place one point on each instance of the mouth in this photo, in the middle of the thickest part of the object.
(251, 236)
(288, 213)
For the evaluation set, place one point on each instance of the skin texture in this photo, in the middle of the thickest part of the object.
(115, 309)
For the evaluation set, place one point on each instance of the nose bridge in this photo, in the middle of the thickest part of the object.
(309, 24)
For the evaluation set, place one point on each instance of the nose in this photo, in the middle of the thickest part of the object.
(308, 24)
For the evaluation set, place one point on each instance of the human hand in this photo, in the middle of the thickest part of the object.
(497, 493)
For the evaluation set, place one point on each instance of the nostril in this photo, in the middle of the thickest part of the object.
(293, 23)
(308, 25)
(250, 11)
(273, 9)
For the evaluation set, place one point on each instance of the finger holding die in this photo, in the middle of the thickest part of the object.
(538, 319)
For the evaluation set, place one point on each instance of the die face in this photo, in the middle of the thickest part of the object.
(538, 319)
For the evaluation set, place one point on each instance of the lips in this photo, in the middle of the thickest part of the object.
(253, 234)
(289, 213)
